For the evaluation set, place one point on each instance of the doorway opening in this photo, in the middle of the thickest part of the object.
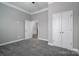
(35, 30)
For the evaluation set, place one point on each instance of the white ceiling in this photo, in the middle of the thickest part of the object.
(28, 6)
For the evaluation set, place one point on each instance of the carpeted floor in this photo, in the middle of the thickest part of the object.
(34, 47)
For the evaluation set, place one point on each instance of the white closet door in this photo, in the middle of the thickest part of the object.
(67, 29)
(27, 29)
(30, 29)
(56, 27)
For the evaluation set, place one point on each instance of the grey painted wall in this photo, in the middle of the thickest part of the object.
(12, 24)
(65, 6)
(42, 24)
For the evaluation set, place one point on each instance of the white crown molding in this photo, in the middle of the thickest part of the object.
(42, 10)
(22, 10)
(13, 6)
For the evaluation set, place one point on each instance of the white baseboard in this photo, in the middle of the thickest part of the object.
(73, 49)
(11, 42)
(76, 50)
(42, 39)
(50, 44)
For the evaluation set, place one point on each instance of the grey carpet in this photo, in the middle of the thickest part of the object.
(34, 47)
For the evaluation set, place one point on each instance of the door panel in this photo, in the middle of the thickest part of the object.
(27, 29)
(67, 29)
(56, 27)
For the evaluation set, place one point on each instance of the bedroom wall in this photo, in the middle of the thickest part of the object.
(12, 24)
(65, 6)
(42, 19)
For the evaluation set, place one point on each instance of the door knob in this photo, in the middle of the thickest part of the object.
(62, 32)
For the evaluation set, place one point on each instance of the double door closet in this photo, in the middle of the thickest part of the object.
(62, 29)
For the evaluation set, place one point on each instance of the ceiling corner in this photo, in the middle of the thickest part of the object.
(13, 6)
(42, 10)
